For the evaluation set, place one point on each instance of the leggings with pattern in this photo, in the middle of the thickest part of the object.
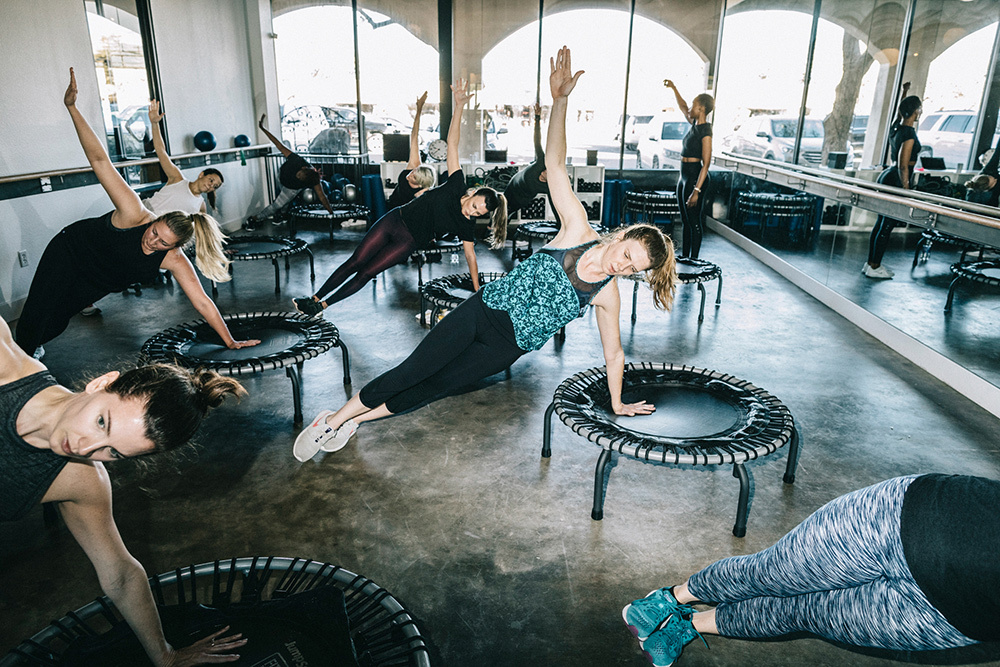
(386, 244)
(840, 574)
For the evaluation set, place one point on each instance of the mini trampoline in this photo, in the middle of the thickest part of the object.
(689, 271)
(542, 231)
(294, 612)
(341, 213)
(931, 237)
(986, 273)
(287, 340)
(253, 247)
(702, 418)
(434, 251)
(648, 206)
(447, 292)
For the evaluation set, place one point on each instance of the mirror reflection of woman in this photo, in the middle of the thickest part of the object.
(53, 446)
(416, 178)
(520, 312)
(178, 194)
(96, 256)
(696, 157)
(905, 147)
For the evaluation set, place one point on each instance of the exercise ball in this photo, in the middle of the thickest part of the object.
(350, 193)
(204, 141)
(309, 196)
(241, 141)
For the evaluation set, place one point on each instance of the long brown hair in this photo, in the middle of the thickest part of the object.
(662, 272)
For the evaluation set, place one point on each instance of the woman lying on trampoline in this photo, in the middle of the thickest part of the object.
(448, 209)
(52, 447)
(94, 257)
(908, 564)
(517, 314)
(416, 178)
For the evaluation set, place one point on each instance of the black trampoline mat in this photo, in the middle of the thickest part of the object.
(273, 341)
(255, 246)
(540, 228)
(682, 412)
(459, 293)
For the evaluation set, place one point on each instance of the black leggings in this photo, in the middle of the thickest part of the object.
(58, 291)
(471, 342)
(691, 217)
(386, 244)
(879, 240)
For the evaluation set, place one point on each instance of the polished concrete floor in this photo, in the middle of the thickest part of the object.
(451, 507)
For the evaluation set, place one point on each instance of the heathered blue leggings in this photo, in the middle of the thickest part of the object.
(840, 574)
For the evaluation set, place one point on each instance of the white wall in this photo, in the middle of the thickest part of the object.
(205, 70)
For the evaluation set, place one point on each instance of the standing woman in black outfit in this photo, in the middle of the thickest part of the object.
(448, 209)
(905, 147)
(696, 157)
(94, 257)
(416, 178)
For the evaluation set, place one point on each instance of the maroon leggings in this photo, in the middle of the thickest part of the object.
(386, 244)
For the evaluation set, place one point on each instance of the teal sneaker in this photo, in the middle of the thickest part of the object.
(645, 615)
(664, 646)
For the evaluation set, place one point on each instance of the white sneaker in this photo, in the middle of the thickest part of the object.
(312, 437)
(340, 438)
(881, 272)
(90, 311)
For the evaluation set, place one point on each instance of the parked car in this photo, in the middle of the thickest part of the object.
(661, 144)
(635, 128)
(314, 128)
(859, 127)
(773, 138)
(948, 135)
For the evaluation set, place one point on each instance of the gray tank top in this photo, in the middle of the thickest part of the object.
(26, 472)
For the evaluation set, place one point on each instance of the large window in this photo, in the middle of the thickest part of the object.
(122, 76)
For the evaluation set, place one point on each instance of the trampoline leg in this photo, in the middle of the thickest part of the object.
(635, 298)
(296, 377)
(597, 513)
(793, 456)
(277, 276)
(718, 293)
(916, 254)
(287, 265)
(347, 362)
(215, 290)
(420, 272)
(743, 508)
(423, 315)
(561, 335)
(951, 294)
(547, 431)
(312, 264)
(701, 312)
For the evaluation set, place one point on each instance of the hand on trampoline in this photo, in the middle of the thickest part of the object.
(239, 344)
(635, 409)
(210, 650)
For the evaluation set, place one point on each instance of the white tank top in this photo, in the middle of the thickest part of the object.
(174, 197)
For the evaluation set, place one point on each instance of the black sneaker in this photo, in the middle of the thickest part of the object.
(308, 306)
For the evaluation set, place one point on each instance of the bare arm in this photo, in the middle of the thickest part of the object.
(169, 168)
(460, 91)
(681, 104)
(903, 163)
(129, 210)
(321, 193)
(575, 227)
(414, 160)
(285, 150)
(608, 306)
(469, 248)
(706, 161)
(180, 266)
(84, 493)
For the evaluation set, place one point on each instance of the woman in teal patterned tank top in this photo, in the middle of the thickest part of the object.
(520, 312)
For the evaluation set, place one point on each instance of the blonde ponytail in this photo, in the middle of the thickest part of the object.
(209, 255)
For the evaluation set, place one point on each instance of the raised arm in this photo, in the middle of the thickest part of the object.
(84, 495)
(414, 160)
(681, 104)
(129, 210)
(285, 150)
(460, 91)
(180, 266)
(571, 212)
(174, 174)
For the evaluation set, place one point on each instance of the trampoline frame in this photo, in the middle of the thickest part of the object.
(321, 335)
(780, 429)
(528, 231)
(291, 246)
(435, 292)
(375, 615)
(437, 248)
(341, 212)
(931, 236)
(705, 271)
(971, 271)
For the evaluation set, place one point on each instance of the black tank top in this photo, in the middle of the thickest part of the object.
(26, 472)
(109, 257)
